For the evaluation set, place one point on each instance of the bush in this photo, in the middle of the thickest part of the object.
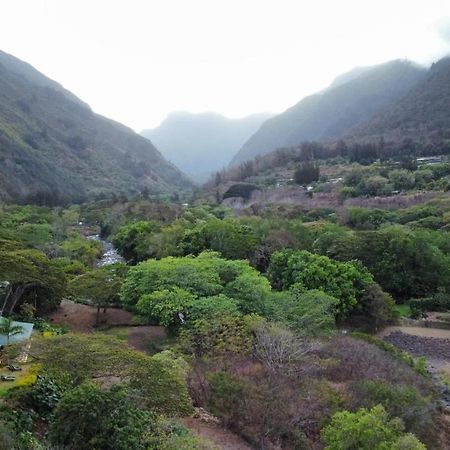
(401, 401)
(88, 417)
(310, 313)
(439, 302)
(366, 430)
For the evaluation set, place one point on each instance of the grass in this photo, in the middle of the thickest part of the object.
(403, 310)
(120, 333)
(445, 378)
(25, 377)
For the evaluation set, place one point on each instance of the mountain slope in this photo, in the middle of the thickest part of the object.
(422, 114)
(200, 144)
(350, 101)
(53, 148)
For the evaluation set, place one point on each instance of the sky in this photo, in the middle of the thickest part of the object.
(137, 60)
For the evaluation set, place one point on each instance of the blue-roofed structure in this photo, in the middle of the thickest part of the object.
(27, 329)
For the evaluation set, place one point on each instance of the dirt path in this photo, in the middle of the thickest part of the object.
(431, 347)
(224, 439)
(81, 318)
(417, 331)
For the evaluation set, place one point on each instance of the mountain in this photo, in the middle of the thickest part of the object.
(351, 100)
(422, 114)
(200, 144)
(54, 148)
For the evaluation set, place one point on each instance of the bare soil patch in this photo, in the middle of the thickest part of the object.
(224, 439)
(81, 318)
(430, 347)
(417, 331)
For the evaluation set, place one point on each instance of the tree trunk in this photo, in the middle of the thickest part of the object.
(97, 319)
(17, 295)
(10, 289)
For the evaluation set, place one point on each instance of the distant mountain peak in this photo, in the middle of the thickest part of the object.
(202, 143)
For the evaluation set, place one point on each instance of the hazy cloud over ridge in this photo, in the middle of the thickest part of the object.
(136, 60)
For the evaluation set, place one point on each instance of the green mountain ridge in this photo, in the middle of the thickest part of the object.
(422, 114)
(54, 148)
(349, 102)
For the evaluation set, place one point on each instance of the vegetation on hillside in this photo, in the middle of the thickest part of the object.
(55, 150)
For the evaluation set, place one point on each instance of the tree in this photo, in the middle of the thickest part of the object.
(163, 306)
(211, 307)
(402, 179)
(310, 313)
(131, 240)
(224, 334)
(376, 306)
(29, 270)
(232, 240)
(8, 329)
(281, 351)
(344, 281)
(89, 417)
(100, 286)
(367, 430)
(159, 382)
(307, 172)
(206, 275)
(251, 292)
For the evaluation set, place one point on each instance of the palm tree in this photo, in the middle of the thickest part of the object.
(8, 329)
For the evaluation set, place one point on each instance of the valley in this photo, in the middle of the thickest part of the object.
(287, 286)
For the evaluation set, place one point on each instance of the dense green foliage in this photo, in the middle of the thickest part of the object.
(253, 306)
(203, 276)
(367, 430)
(89, 417)
(344, 281)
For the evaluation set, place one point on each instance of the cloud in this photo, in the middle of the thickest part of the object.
(444, 29)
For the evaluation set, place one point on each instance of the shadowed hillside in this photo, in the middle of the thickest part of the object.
(423, 114)
(350, 101)
(200, 144)
(54, 149)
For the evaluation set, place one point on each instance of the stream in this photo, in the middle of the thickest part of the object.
(109, 255)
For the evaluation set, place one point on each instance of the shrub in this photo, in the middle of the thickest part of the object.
(401, 401)
(89, 417)
(309, 313)
(366, 430)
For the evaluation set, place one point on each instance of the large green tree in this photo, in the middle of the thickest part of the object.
(100, 286)
(344, 281)
(29, 271)
(203, 276)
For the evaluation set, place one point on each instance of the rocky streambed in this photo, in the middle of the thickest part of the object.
(435, 349)
(109, 255)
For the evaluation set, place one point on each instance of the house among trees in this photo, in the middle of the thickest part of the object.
(429, 160)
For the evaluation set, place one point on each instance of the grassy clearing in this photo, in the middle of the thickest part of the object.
(25, 377)
(403, 310)
(120, 333)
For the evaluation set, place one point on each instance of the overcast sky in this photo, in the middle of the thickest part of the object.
(137, 60)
